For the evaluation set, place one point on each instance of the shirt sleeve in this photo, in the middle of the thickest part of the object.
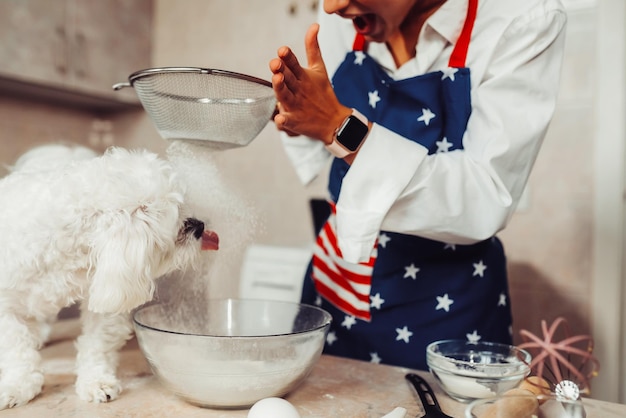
(468, 195)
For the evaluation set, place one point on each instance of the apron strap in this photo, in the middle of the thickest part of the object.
(459, 54)
(359, 43)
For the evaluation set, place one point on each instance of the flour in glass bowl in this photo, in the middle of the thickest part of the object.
(233, 372)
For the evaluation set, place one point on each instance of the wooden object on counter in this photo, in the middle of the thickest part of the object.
(521, 403)
(337, 388)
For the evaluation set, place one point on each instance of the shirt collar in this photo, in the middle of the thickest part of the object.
(447, 22)
(449, 19)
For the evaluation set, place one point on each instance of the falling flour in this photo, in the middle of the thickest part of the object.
(224, 211)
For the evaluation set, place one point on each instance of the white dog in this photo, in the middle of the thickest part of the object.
(79, 227)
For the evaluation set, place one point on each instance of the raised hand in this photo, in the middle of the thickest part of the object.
(307, 104)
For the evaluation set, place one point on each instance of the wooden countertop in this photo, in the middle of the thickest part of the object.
(337, 388)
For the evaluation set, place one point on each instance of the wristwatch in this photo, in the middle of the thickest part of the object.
(349, 136)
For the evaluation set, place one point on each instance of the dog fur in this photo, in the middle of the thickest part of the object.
(76, 226)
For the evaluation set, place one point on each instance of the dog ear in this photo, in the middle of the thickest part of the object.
(121, 264)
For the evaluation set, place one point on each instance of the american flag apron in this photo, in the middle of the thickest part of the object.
(412, 290)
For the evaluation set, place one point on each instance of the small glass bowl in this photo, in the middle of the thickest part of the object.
(474, 370)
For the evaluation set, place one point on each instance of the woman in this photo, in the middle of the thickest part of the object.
(434, 112)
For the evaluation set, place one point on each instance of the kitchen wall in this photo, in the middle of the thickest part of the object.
(549, 241)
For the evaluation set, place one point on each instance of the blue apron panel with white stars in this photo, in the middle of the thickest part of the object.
(421, 290)
(431, 109)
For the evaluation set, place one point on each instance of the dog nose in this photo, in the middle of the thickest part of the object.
(195, 226)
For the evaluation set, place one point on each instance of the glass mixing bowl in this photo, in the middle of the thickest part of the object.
(230, 353)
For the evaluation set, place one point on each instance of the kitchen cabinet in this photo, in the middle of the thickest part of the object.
(74, 50)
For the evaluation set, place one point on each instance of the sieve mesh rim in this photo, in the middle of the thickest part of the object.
(196, 70)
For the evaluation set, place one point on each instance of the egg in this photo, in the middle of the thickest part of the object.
(273, 408)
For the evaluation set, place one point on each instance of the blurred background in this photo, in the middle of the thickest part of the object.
(59, 59)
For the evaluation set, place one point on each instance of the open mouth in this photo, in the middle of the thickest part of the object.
(364, 24)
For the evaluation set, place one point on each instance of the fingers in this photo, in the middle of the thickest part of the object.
(313, 53)
(281, 89)
(282, 95)
(288, 67)
(280, 121)
(290, 61)
(302, 91)
(276, 65)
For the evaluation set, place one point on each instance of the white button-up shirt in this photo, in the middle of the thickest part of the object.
(461, 196)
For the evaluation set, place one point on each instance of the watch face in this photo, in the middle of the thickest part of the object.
(352, 133)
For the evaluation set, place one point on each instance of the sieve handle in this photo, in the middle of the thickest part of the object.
(120, 86)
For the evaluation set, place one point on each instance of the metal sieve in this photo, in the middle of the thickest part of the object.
(218, 108)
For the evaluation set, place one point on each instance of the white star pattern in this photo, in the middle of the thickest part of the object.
(449, 247)
(374, 358)
(348, 321)
(502, 301)
(449, 73)
(444, 302)
(403, 334)
(331, 338)
(359, 56)
(373, 98)
(473, 337)
(411, 271)
(427, 115)
(318, 301)
(479, 269)
(383, 239)
(443, 145)
(376, 301)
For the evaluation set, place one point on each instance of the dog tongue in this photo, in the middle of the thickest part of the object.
(210, 240)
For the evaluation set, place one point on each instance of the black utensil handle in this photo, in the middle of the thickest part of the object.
(425, 392)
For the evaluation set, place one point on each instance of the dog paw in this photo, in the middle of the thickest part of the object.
(98, 390)
(14, 395)
(7, 401)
